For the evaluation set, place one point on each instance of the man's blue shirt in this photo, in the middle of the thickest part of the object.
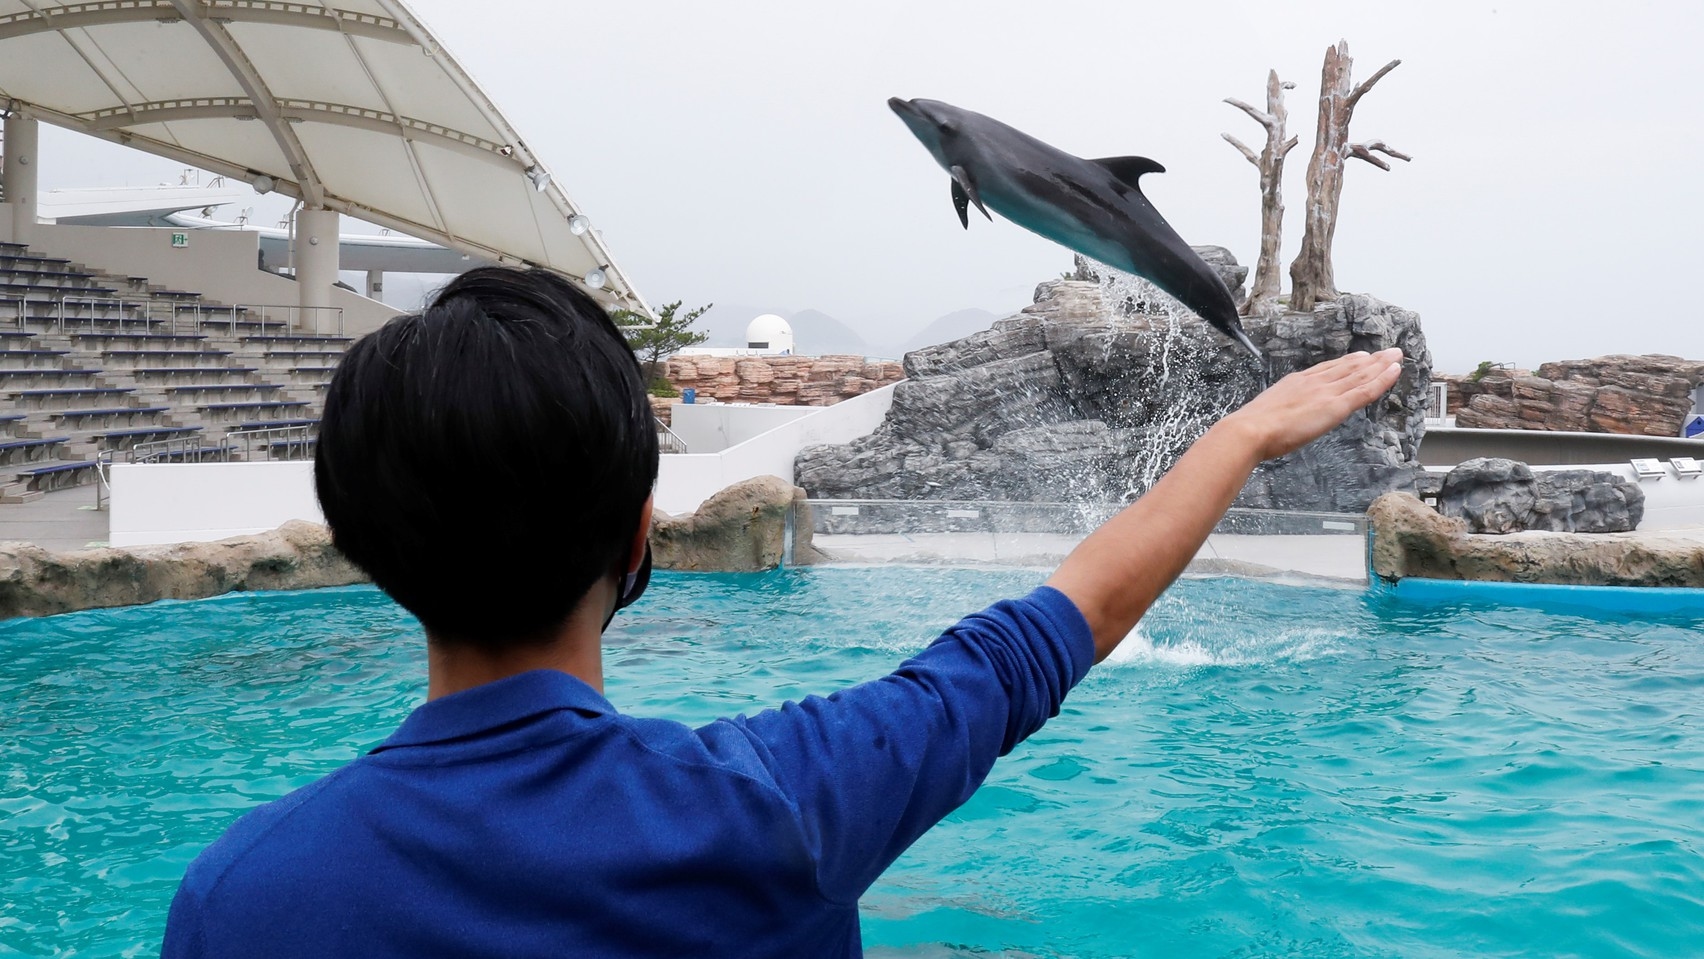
(526, 817)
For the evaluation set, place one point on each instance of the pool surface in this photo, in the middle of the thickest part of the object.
(1263, 770)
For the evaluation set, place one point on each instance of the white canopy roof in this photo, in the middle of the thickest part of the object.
(350, 105)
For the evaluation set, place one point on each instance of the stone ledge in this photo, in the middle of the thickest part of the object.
(741, 529)
(1410, 539)
(298, 555)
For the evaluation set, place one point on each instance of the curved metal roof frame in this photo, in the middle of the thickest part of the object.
(349, 105)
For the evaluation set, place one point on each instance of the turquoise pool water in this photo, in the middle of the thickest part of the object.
(1264, 771)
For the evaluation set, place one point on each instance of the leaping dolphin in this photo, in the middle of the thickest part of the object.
(1094, 207)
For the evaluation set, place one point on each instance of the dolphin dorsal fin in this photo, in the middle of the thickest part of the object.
(1129, 169)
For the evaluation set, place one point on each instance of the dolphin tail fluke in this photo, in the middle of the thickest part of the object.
(963, 182)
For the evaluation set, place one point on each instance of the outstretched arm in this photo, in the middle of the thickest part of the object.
(1123, 567)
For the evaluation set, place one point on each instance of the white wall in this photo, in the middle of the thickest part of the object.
(684, 481)
(222, 264)
(202, 502)
(714, 427)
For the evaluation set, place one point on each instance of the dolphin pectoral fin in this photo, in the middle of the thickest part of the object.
(1129, 170)
(961, 176)
(961, 203)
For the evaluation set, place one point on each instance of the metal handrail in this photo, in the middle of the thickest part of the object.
(264, 439)
(64, 307)
(262, 310)
(668, 441)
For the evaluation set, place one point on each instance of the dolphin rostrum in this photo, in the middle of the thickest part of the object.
(1094, 207)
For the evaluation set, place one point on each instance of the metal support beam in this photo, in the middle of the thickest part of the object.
(303, 111)
(375, 284)
(200, 16)
(77, 16)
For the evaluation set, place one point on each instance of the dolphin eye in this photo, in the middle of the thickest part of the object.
(949, 127)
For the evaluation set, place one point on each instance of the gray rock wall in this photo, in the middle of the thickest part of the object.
(1089, 396)
(1495, 495)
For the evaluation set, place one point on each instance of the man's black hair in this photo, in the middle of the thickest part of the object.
(485, 460)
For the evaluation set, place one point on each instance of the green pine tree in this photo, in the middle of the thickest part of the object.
(654, 341)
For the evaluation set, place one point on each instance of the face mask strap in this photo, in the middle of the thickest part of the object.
(632, 585)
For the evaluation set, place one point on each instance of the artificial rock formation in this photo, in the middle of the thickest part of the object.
(743, 528)
(787, 380)
(1087, 396)
(298, 555)
(1504, 496)
(1411, 539)
(1647, 395)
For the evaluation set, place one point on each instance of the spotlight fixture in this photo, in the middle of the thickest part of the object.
(597, 278)
(540, 179)
(578, 224)
(505, 150)
(262, 183)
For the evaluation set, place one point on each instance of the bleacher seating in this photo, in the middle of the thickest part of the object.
(94, 365)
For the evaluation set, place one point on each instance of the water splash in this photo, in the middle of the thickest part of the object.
(1177, 393)
(1188, 650)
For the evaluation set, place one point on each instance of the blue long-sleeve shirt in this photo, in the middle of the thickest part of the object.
(526, 817)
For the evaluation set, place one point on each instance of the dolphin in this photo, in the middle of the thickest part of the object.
(1094, 207)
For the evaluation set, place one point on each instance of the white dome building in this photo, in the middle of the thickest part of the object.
(770, 334)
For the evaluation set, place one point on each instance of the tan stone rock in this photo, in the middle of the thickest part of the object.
(754, 372)
(1642, 395)
(741, 529)
(298, 555)
(790, 380)
(1410, 539)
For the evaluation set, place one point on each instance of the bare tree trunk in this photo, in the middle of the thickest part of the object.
(1311, 277)
(1268, 281)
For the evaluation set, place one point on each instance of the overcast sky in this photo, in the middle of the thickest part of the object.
(743, 152)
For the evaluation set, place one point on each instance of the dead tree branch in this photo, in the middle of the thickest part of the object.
(1268, 281)
(1364, 151)
(1242, 148)
(1311, 275)
(1367, 84)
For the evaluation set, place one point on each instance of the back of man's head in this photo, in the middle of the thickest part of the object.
(486, 460)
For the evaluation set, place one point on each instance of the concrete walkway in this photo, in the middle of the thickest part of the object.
(60, 521)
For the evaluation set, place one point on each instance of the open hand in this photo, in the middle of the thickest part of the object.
(1307, 404)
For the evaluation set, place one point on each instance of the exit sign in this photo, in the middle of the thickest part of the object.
(180, 240)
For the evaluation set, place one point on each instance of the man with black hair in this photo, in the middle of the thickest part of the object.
(517, 812)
